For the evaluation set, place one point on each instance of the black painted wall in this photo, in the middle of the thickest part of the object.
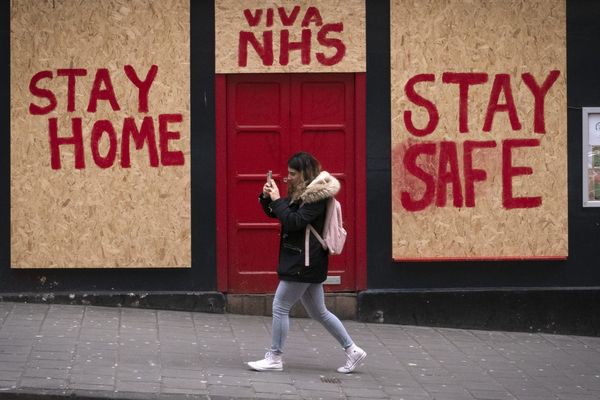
(202, 275)
(581, 269)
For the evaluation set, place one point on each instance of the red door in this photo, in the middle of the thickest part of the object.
(268, 118)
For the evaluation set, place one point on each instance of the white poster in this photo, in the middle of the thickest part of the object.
(594, 129)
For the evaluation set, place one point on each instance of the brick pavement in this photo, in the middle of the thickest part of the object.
(61, 351)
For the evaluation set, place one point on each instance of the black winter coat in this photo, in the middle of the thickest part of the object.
(294, 218)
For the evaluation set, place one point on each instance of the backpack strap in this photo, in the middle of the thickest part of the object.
(308, 230)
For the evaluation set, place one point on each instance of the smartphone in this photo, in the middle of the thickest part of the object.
(269, 176)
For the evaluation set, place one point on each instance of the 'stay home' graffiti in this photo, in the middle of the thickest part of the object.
(103, 90)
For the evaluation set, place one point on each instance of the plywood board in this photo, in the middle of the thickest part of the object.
(290, 36)
(100, 211)
(492, 184)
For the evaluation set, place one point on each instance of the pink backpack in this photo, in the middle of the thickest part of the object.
(334, 234)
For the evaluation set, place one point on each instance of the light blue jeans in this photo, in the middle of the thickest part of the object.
(313, 300)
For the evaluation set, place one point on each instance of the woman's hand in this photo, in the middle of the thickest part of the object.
(271, 190)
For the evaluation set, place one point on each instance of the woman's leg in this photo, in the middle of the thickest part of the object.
(313, 300)
(287, 294)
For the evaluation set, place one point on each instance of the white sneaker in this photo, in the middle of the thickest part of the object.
(271, 362)
(354, 355)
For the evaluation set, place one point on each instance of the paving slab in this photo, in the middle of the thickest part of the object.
(84, 352)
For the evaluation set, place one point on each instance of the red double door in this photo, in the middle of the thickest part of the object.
(268, 118)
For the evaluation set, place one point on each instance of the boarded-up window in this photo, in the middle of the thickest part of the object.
(479, 129)
(100, 128)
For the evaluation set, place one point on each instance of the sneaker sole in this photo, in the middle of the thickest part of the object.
(353, 366)
(259, 369)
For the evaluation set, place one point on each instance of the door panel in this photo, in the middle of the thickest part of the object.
(269, 117)
(322, 123)
(257, 137)
(265, 146)
(259, 102)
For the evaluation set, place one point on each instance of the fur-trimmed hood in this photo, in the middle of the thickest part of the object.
(322, 187)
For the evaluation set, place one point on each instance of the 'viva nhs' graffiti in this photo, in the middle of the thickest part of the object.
(310, 22)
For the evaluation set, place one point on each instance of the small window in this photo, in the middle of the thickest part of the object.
(591, 156)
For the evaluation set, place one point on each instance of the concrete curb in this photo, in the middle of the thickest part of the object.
(46, 394)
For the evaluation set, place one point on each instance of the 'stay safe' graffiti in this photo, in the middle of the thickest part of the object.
(461, 177)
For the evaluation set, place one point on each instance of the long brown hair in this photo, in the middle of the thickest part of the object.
(308, 167)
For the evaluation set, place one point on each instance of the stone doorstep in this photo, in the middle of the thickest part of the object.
(343, 305)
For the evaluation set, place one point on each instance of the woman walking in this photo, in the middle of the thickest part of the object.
(308, 192)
